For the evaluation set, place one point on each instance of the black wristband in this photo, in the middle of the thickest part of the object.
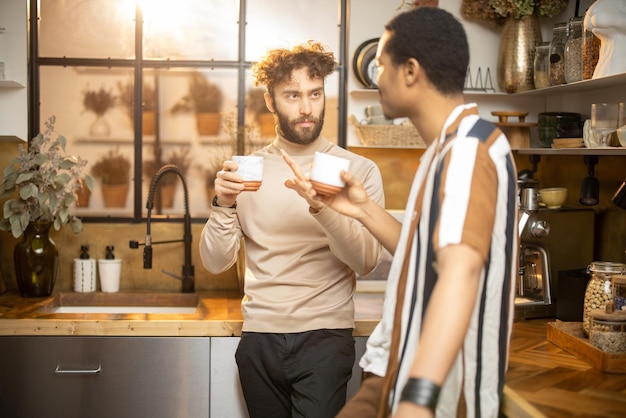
(421, 392)
(214, 203)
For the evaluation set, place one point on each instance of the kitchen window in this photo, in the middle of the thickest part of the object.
(95, 61)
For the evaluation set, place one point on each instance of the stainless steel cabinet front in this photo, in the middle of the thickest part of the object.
(95, 377)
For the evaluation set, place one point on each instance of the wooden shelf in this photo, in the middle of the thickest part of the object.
(572, 151)
(10, 84)
(577, 87)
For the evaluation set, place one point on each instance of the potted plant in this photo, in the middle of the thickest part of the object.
(99, 102)
(167, 184)
(113, 170)
(127, 100)
(46, 180)
(259, 113)
(205, 99)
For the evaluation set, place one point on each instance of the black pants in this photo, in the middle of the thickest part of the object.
(295, 375)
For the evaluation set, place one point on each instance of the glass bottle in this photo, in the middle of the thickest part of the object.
(542, 65)
(573, 53)
(557, 48)
(591, 54)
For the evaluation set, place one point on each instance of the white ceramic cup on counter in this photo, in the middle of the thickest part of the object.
(250, 167)
(326, 173)
(110, 272)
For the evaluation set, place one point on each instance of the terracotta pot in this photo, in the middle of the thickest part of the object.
(83, 195)
(167, 192)
(208, 123)
(267, 126)
(148, 122)
(114, 195)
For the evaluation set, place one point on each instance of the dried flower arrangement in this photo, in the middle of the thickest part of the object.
(498, 10)
(203, 97)
(127, 97)
(112, 168)
(47, 181)
(179, 158)
(98, 101)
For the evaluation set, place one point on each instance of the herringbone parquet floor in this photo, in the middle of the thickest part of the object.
(558, 384)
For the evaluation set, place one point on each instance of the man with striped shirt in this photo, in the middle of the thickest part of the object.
(441, 347)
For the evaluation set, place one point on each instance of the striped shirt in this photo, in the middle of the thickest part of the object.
(469, 198)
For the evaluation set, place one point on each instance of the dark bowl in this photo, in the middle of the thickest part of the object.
(559, 125)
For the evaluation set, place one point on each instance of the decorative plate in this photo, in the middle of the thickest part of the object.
(363, 63)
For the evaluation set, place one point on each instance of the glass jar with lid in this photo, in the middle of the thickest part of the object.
(557, 48)
(591, 53)
(599, 290)
(573, 52)
(608, 332)
(542, 65)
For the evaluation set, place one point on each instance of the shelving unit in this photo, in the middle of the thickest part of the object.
(593, 86)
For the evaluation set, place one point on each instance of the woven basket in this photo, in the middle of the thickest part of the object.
(388, 135)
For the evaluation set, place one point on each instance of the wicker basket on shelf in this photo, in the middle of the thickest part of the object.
(404, 135)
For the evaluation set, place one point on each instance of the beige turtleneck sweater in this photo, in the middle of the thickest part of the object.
(299, 265)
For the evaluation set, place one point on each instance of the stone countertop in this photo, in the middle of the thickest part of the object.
(218, 315)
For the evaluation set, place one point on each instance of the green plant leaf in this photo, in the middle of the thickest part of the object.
(28, 191)
(77, 224)
(90, 182)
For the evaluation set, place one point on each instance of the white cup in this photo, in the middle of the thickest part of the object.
(110, 272)
(84, 275)
(326, 173)
(251, 169)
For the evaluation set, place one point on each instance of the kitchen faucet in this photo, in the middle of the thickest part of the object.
(188, 270)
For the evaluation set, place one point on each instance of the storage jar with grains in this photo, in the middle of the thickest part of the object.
(608, 332)
(542, 65)
(557, 48)
(573, 53)
(599, 289)
(591, 54)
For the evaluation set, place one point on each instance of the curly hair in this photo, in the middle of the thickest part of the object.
(276, 66)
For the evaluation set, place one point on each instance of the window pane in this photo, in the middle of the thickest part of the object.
(285, 23)
(86, 104)
(196, 117)
(191, 29)
(87, 29)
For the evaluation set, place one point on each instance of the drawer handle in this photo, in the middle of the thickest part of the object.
(60, 370)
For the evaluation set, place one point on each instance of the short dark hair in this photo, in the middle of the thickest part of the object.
(436, 39)
(277, 65)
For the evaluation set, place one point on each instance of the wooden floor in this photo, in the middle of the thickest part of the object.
(556, 383)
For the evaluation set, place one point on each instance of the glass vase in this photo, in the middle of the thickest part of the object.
(36, 261)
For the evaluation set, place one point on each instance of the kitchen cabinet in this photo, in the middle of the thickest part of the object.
(13, 47)
(95, 377)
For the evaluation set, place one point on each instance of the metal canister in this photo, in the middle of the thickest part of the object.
(599, 289)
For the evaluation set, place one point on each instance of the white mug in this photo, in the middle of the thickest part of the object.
(251, 169)
(325, 173)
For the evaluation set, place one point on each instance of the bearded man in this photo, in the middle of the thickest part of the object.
(296, 352)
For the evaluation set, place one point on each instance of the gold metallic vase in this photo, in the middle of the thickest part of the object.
(516, 53)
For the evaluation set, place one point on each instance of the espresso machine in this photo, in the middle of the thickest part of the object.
(551, 241)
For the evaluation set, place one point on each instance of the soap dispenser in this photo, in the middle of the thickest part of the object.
(84, 271)
(110, 270)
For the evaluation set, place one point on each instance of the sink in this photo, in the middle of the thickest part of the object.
(122, 303)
